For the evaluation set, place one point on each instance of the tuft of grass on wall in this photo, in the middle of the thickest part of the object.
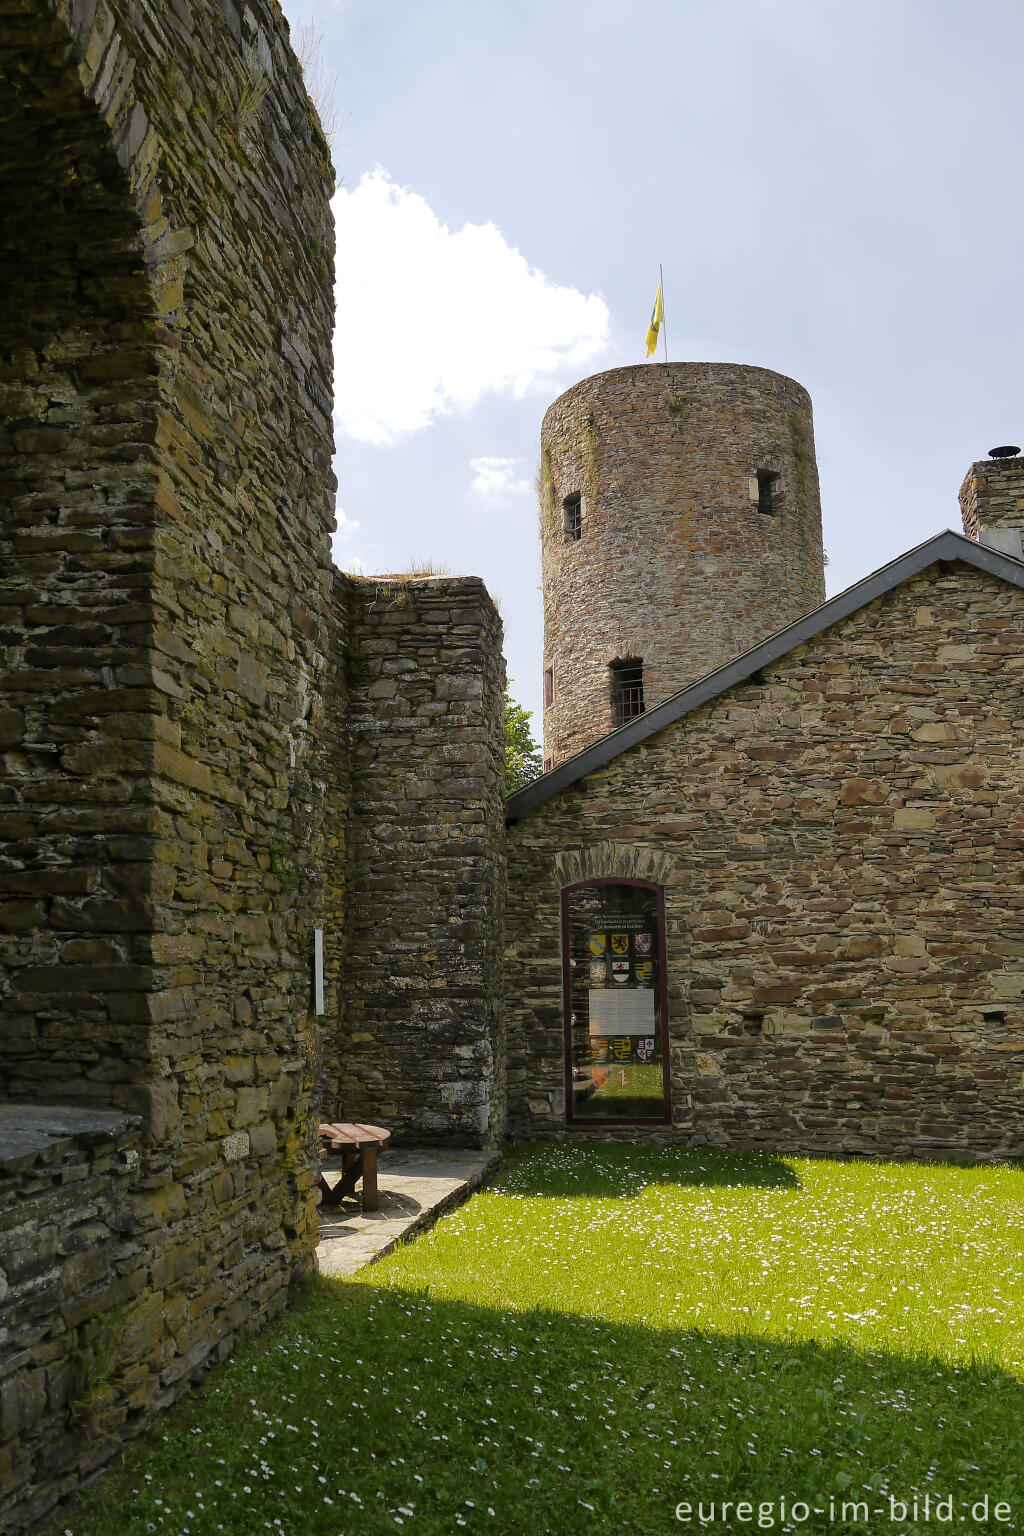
(428, 567)
(676, 406)
(321, 85)
(239, 102)
(801, 446)
(545, 482)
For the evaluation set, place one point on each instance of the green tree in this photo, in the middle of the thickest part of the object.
(522, 754)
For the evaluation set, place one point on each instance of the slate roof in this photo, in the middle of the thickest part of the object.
(945, 547)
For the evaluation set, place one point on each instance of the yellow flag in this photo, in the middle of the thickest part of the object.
(657, 318)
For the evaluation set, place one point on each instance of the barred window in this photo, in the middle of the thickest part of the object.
(767, 491)
(627, 681)
(572, 515)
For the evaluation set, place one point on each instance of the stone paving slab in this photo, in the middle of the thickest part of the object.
(415, 1185)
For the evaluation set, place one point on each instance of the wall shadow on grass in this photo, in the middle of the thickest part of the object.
(557, 1424)
(560, 1170)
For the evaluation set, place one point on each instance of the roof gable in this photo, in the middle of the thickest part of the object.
(944, 547)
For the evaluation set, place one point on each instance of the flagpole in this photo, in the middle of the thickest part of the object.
(664, 327)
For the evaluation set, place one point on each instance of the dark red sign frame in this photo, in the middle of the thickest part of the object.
(666, 1076)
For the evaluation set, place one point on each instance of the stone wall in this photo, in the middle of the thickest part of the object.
(70, 1305)
(992, 499)
(335, 773)
(166, 501)
(675, 565)
(413, 1039)
(840, 842)
(80, 381)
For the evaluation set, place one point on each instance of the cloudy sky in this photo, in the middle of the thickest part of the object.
(832, 187)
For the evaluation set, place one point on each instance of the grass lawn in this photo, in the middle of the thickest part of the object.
(611, 1332)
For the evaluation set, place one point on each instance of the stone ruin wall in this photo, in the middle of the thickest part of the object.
(166, 500)
(75, 1282)
(414, 839)
(335, 774)
(840, 843)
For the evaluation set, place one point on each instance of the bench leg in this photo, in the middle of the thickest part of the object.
(369, 1178)
(328, 1195)
(354, 1166)
(351, 1168)
(346, 1185)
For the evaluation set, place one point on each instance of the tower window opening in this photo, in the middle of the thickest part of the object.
(767, 491)
(572, 515)
(549, 687)
(627, 680)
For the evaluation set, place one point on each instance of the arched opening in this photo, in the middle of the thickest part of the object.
(77, 479)
(616, 1002)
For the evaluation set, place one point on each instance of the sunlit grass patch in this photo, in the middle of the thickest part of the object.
(610, 1331)
(914, 1258)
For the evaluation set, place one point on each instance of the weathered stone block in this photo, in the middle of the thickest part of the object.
(12, 727)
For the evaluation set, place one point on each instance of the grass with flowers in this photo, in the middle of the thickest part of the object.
(610, 1332)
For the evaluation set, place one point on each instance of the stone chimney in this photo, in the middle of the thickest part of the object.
(992, 501)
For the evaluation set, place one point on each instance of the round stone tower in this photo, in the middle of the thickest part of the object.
(680, 525)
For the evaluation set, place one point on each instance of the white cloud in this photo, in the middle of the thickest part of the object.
(347, 526)
(430, 319)
(495, 477)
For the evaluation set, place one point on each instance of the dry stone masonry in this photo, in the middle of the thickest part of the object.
(699, 531)
(212, 743)
(991, 501)
(166, 500)
(70, 1248)
(840, 840)
(415, 1035)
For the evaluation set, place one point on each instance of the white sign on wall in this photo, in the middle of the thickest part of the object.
(622, 1013)
(318, 970)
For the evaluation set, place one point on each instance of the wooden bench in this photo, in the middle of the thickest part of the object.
(358, 1145)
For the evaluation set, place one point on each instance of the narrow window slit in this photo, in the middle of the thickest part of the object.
(627, 683)
(767, 491)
